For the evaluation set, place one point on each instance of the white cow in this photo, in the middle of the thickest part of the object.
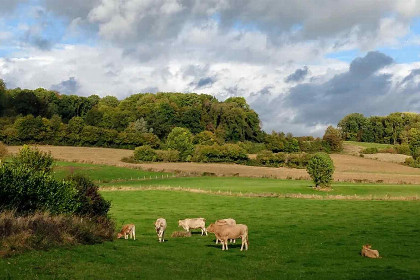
(225, 232)
(127, 230)
(160, 226)
(188, 224)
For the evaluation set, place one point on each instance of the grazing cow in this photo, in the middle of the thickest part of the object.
(126, 230)
(225, 232)
(160, 226)
(188, 224)
(228, 221)
(369, 253)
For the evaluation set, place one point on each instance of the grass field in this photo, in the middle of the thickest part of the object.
(289, 238)
(369, 145)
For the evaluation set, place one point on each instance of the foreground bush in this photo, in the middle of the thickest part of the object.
(42, 230)
(26, 190)
(90, 202)
(321, 168)
(33, 159)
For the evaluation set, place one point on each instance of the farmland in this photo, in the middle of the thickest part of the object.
(296, 232)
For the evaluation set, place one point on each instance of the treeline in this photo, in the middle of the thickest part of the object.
(47, 117)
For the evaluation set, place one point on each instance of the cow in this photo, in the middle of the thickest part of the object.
(228, 221)
(160, 226)
(127, 230)
(225, 232)
(188, 224)
(368, 252)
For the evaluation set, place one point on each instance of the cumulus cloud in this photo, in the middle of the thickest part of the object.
(298, 75)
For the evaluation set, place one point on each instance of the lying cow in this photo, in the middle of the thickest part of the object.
(228, 221)
(160, 226)
(127, 230)
(225, 232)
(188, 224)
(368, 252)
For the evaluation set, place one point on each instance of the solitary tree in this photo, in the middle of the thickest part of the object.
(321, 169)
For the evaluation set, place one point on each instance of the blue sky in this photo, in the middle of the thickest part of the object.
(276, 54)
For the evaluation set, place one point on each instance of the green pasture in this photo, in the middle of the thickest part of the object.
(289, 239)
(102, 173)
(368, 144)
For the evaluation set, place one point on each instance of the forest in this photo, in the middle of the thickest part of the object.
(48, 117)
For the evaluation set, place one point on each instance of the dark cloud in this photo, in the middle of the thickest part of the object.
(203, 82)
(70, 86)
(411, 76)
(298, 75)
(361, 89)
(6, 6)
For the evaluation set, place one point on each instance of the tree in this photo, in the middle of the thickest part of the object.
(180, 139)
(414, 142)
(333, 138)
(321, 168)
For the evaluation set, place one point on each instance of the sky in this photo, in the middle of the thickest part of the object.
(301, 65)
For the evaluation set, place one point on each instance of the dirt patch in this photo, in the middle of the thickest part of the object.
(348, 168)
(351, 149)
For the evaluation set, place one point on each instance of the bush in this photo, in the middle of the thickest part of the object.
(44, 231)
(26, 190)
(3, 150)
(268, 158)
(145, 153)
(167, 155)
(372, 150)
(321, 168)
(217, 153)
(298, 160)
(33, 159)
(333, 139)
(90, 201)
(252, 147)
(180, 139)
(403, 149)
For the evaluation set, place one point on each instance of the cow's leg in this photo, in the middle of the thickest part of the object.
(226, 244)
(217, 240)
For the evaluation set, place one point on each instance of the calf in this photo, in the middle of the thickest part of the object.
(368, 252)
(160, 226)
(188, 224)
(126, 230)
(225, 232)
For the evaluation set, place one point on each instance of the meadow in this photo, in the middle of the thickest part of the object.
(289, 238)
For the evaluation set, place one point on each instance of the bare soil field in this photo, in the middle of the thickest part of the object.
(397, 158)
(348, 168)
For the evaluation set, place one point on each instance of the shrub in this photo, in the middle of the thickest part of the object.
(90, 201)
(44, 231)
(26, 190)
(268, 158)
(34, 159)
(167, 155)
(403, 149)
(180, 139)
(298, 160)
(145, 153)
(321, 168)
(3, 150)
(217, 153)
(372, 150)
(252, 147)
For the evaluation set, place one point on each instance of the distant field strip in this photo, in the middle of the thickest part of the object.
(348, 168)
(265, 195)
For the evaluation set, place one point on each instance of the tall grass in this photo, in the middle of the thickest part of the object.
(42, 230)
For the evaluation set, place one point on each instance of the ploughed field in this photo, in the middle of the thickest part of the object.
(348, 168)
(290, 238)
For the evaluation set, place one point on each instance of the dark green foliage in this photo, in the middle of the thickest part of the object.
(25, 190)
(321, 168)
(145, 153)
(252, 147)
(219, 153)
(90, 201)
